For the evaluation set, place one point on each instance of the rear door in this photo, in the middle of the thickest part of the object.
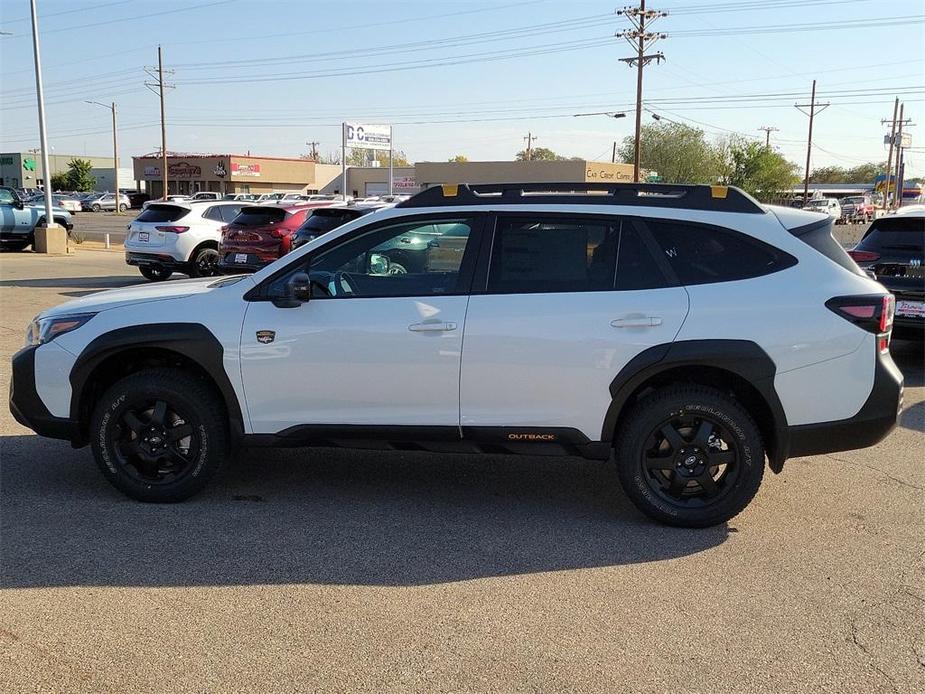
(563, 303)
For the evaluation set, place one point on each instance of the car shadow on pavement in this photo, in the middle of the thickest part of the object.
(91, 283)
(323, 516)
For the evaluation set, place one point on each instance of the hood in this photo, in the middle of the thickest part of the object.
(142, 293)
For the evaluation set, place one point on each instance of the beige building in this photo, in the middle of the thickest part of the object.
(231, 173)
(366, 181)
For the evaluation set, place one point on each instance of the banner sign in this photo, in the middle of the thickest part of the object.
(367, 136)
(244, 169)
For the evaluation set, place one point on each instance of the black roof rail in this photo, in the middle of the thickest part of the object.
(679, 196)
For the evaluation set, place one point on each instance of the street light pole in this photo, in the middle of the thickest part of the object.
(115, 151)
(43, 135)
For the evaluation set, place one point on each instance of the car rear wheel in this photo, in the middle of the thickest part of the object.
(159, 435)
(123, 207)
(155, 273)
(95, 207)
(205, 264)
(690, 456)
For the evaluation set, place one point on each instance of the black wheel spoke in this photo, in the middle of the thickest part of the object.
(659, 462)
(159, 412)
(179, 432)
(672, 436)
(702, 437)
(708, 485)
(722, 457)
(132, 422)
(678, 484)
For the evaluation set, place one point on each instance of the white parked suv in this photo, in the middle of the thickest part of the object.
(686, 334)
(170, 237)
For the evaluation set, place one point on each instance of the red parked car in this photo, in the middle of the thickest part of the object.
(260, 234)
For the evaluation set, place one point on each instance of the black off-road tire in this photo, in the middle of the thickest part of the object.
(640, 444)
(190, 401)
(205, 263)
(155, 273)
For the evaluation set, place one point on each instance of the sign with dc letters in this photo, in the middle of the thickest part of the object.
(367, 136)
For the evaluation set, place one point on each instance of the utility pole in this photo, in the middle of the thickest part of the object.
(889, 159)
(768, 129)
(115, 151)
(898, 193)
(161, 86)
(812, 106)
(640, 38)
(613, 157)
(43, 133)
(529, 140)
(314, 146)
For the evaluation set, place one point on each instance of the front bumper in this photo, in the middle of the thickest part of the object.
(27, 407)
(869, 426)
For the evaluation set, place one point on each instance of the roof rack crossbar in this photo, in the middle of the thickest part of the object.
(669, 195)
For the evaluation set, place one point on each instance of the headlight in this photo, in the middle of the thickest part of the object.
(43, 330)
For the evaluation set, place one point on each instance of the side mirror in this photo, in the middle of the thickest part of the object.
(298, 291)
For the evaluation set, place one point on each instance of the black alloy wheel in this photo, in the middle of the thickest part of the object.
(205, 264)
(156, 442)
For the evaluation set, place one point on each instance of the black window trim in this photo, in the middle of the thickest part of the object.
(467, 267)
(480, 285)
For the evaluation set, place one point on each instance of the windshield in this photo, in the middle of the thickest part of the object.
(854, 201)
(817, 203)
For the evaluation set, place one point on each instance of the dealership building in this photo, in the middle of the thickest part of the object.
(231, 173)
(24, 170)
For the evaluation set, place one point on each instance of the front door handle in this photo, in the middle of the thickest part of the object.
(637, 322)
(431, 327)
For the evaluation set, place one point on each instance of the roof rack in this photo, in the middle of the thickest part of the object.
(680, 196)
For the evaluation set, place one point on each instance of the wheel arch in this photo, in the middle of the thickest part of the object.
(208, 243)
(118, 353)
(739, 367)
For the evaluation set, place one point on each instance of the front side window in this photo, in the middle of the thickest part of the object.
(6, 196)
(534, 254)
(421, 258)
(701, 254)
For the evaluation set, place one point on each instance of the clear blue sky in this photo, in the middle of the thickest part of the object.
(270, 75)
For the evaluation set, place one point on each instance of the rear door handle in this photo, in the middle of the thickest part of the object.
(431, 327)
(637, 322)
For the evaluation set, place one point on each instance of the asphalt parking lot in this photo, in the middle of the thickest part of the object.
(327, 570)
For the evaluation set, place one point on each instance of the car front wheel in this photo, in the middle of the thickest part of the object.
(690, 456)
(159, 435)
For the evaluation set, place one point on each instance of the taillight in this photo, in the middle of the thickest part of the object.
(173, 229)
(864, 256)
(873, 313)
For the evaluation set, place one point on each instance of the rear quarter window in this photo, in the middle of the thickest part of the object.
(162, 213)
(703, 254)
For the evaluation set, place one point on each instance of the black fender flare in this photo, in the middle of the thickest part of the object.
(191, 340)
(743, 358)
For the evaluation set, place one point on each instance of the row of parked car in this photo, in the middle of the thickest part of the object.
(854, 209)
(206, 237)
(83, 202)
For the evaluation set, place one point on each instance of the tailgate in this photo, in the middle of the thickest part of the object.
(145, 235)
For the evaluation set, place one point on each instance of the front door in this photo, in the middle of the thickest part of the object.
(558, 318)
(379, 342)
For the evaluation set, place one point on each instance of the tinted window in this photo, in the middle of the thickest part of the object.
(553, 255)
(410, 259)
(229, 212)
(895, 233)
(162, 213)
(259, 216)
(699, 253)
(636, 266)
(324, 220)
(6, 195)
(213, 213)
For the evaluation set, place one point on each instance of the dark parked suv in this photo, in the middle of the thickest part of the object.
(893, 249)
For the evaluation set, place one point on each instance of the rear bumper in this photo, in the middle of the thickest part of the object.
(869, 426)
(152, 259)
(27, 407)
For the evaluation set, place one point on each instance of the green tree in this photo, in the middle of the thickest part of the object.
(362, 157)
(458, 159)
(79, 176)
(758, 170)
(679, 153)
(539, 154)
(863, 173)
(60, 181)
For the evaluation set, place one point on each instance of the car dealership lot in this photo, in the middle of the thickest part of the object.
(366, 571)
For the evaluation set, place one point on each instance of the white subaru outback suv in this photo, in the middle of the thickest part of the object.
(170, 237)
(684, 333)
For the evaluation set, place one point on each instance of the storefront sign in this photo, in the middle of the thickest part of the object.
(184, 170)
(366, 136)
(608, 174)
(404, 183)
(152, 172)
(244, 169)
(219, 170)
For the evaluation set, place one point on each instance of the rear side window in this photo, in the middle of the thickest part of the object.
(259, 216)
(637, 268)
(162, 213)
(702, 254)
(895, 234)
(553, 255)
